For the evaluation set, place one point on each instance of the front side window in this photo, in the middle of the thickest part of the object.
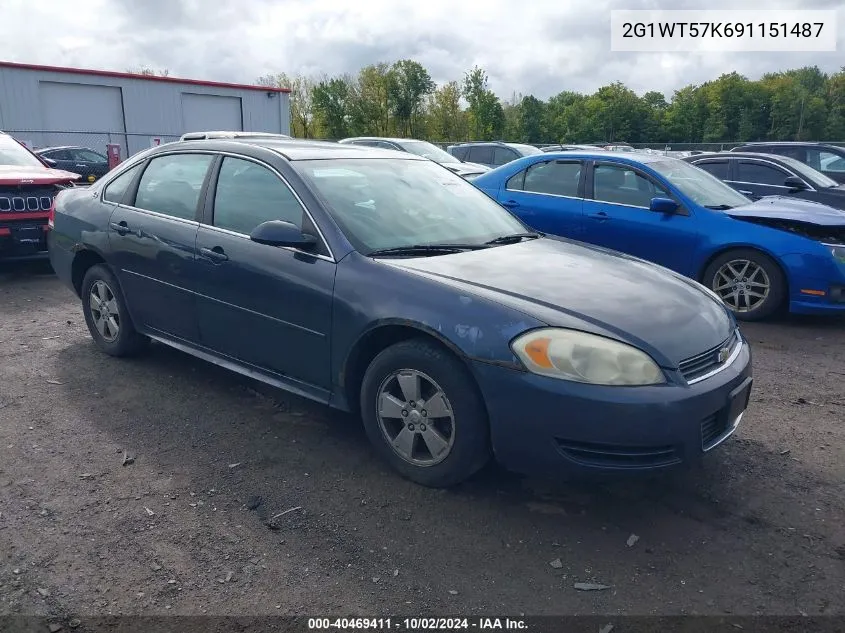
(622, 185)
(249, 194)
(718, 168)
(556, 177)
(171, 184)
(699, 186)
(482, 154)
(116, 189)
(88, 156)
(503, 155)
(826, 161)
(395, 203)
(760, 173)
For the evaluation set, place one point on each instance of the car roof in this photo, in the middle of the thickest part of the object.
(604, 155)
(49, 149)
(382, 138)
(757, 143)
(214, 134)
(294, 149)
(736, 155)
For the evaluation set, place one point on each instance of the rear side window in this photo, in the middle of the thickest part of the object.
(171, 184)
(558, 178)
(823, 160)
(116, 189)
(760, 173)
(460, 152)
(718, 168)
(249, 194)
(481, 154)
(59, 154)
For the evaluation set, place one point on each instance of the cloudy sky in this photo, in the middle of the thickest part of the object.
(534, 46)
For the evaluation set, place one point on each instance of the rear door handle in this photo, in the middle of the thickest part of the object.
(120, 227)
(510, 204)
(216, 254)
(601, 216)
(746, 192)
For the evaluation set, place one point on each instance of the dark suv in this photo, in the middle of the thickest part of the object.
(493, 154)
(828, 159)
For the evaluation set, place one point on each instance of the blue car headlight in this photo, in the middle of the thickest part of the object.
(587, 358)
(838, 252)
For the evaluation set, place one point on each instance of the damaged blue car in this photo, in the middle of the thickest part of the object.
(386, 285)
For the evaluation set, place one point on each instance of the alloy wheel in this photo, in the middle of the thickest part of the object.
(103, 306)
(742, 284)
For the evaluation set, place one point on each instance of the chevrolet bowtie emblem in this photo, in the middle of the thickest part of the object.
(724, 353)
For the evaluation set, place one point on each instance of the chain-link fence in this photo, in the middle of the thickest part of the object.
(129, 142)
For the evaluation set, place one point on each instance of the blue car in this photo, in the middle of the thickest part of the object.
(759, 257)
(379, 283)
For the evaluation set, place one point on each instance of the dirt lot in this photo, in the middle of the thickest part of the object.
(186, 527)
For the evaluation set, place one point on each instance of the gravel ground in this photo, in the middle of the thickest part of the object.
(186, 525)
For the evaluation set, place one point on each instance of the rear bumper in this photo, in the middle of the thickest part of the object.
(23, 238)
(553, 428)
(61, 259)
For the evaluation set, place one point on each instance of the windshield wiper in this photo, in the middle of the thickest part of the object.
(427, 249)
(511, 239)
(719, 207)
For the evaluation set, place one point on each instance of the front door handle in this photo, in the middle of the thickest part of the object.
(601, 216)
(82, 166)
(745, 192)
(121, 228)
(216, 254)
(510, 204)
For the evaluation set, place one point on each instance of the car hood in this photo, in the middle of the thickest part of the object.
(788, 208)
(569, 284)
(14, 175)
(466, 168)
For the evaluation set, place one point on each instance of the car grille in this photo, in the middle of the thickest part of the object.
(23, 199)
(713, 428)
(697, 367)
(617, 456)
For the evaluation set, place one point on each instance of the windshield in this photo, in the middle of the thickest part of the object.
(526, 150)
(698, 185)
(391, 203)
(15, 154)
(815, 177)
(429, 151)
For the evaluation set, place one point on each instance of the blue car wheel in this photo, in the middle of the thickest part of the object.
(424, 414)
(749, 282)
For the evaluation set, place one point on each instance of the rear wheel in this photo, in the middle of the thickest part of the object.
(106, 315)
(423, 413)
(749, 282)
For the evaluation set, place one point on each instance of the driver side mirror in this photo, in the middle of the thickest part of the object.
(795, 183)
(663, 205)
(281, 233)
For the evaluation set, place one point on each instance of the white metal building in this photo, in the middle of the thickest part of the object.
(47, 106)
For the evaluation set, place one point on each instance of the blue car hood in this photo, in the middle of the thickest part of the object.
(786, 208)
(569, 284)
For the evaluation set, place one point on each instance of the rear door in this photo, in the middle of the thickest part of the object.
(265, 306)
(617, 216)
(153, 243)
(548, 196)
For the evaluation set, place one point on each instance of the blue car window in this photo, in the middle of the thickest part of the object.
(248, 194)
(516, 182)
(618, 184)
(171, 184)
(554, 177)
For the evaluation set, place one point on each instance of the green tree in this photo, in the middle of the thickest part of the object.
(486, 115)
(446, 119)
(369, 101)
(408, 83)
(301, 101)
(531, 120)
(331, 104)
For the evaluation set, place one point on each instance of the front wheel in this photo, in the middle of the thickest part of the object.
(423, 413)
(749, 282)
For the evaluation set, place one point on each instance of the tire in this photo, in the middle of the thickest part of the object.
(761, 268)
(459, 419)
(126, 341)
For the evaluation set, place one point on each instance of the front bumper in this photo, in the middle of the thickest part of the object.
(23, 239)
(552, 427)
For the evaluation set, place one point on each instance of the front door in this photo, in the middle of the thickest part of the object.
(548, 196)
(152, 238)
(617, 216)
(758, 178)
(266, 306)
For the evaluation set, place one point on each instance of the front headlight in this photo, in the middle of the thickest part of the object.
(838, 252)
(582, 357)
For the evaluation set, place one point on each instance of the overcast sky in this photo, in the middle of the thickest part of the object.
(535, 47)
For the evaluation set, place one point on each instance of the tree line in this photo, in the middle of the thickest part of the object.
(401, 99)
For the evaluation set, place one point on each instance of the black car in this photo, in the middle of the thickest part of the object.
(491, 154)
(828, 159)
(757, 175)
(81, 160)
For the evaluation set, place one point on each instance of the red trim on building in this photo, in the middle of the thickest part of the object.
(111, 73)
